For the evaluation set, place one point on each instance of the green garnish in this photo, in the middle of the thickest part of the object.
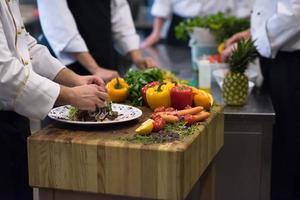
(171, 132)
(72, 113)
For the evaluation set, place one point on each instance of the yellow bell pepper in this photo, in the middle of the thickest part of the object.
(159, 95)
(117, 90)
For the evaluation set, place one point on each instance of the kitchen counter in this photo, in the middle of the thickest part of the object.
(244, 163)
(79, 162)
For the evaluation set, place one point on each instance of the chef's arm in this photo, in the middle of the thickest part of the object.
(125, 36)
(90, 64)
(154, 37)
(22, 90)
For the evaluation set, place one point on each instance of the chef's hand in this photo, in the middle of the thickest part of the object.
(87, 80)
(231, 43)
(142, 62)
(85, 97)
(145, 62)
(106, 74)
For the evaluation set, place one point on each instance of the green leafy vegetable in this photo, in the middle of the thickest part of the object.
(221, 26)
(137, 79)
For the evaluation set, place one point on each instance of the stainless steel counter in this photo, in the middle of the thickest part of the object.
(244, 164)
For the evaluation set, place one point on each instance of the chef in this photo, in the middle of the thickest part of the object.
(31, 82)
(179, 10)
(83, 34)
(275, 28)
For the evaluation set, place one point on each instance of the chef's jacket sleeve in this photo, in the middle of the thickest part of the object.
(279, 29)
(162, 8)
(22, 89)
(124, 33)
(60, 29)
(42, 61)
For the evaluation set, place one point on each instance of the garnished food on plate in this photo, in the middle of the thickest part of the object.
(101, 114)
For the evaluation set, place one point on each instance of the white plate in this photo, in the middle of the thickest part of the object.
(126, 113)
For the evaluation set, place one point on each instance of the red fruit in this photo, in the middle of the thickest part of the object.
(158, 124)
(181, 97)
(160, 109)
(217, 58)
(170, 109)
(190, 119)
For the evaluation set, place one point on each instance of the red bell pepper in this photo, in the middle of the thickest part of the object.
(145, 88)
(181, 97)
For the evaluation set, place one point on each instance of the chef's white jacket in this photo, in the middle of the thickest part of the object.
(276, 26)
(26, 68)
(193, 8)
(61, 30)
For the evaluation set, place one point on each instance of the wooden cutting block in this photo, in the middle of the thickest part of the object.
(95, 160)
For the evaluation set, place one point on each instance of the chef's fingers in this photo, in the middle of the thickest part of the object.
(98, 81)
(235, 38)
(228, 51)
(101, 88)
(100, 104)
(150, 62)
(102, 96)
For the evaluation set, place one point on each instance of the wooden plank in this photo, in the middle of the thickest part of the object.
(95, 160)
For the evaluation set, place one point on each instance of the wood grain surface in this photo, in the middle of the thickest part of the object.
(95, 160)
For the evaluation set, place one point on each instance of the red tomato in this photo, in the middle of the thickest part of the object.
(158, 124)
(181, 97)
(217, 58)
(145, 88)
(190, 119)
(160, 109)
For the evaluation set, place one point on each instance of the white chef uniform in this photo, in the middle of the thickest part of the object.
(66, 39)
(276, 26)
(26, 68)
(193, 8)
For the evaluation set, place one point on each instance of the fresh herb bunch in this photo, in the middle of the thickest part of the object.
(221, 26)
(242, 55)
(136, 79)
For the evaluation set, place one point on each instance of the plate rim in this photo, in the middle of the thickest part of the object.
(140, 113)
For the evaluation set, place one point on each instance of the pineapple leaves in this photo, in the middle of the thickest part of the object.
(242, 55)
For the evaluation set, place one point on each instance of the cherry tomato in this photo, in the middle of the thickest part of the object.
(160, 109)
(189, 119)
(158, 124)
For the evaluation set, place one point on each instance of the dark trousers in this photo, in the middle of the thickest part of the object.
(14, 130)
(282, 79)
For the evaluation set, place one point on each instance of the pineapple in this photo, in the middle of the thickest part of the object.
(235, 84)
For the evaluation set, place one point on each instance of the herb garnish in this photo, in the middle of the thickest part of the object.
(171, 132)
